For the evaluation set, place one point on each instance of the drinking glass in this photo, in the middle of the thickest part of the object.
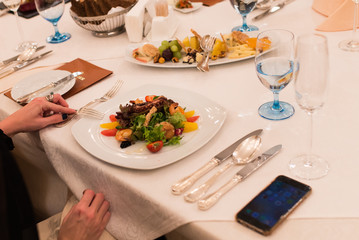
(52, 11)
(352, 44)
(274, 62)
(310, 84)
(244, 7)
(13, 5)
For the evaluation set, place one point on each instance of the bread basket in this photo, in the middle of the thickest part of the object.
(105, 25)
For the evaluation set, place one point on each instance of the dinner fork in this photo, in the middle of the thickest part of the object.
(84, 111)
(112, 92)
(207, 47)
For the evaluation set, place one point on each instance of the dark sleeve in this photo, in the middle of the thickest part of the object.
(6, 140)
(16, 216)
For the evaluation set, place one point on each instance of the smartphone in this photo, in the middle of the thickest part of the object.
(273, 204)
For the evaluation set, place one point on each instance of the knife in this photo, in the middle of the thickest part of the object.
(22, 65)
(272, 9)
(12, 59)
(26, 98)
(183, 184)
(242, 174)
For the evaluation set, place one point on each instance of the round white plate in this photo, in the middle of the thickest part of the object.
(87, 132)
(36, 81)
(195, 6)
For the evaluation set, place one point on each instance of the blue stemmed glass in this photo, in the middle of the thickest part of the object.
(52, 11)
(244, 7)
(274, 61)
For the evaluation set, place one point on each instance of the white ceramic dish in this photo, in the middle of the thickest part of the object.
(87, 131)
(39, 80)
(196, 6)
(219, 61)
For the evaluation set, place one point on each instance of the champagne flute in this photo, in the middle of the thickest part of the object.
(311, 82)
(352, 44)
(52, 11)
(244, 7)
(274, 61)
(13, 5)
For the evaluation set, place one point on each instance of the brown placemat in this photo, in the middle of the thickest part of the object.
(207, 3)
(91, 74)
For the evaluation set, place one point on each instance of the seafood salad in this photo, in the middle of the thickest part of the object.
(157, 120)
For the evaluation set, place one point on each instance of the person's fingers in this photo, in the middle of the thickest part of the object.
(97, 201)
(103, 208)
(87, 198)
(58, 99)
(106, 218)
(52, 119)
(58, 108)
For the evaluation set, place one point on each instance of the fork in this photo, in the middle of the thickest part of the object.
(89, 112)
(112, 92)
(207, 47)
(84, 111)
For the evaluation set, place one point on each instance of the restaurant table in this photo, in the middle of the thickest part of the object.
(142, 205)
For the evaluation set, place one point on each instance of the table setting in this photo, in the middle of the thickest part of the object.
(237, 149)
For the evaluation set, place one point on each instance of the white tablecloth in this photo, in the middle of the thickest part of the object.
(142, 205)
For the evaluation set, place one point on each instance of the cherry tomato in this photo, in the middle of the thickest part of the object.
(109, 132)
(155, 146)
(192, 119)
(113, 118)
(150, 98)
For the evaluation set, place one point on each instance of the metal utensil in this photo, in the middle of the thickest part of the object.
(213, 198)
(185, 183)
(242, 155)
(207, 43)
(7, 62)
(22, 65)
(28, 97)
(112, 92)
(272, 9)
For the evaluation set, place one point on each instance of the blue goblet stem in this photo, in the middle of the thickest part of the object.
(244, 25)
(57, 33)
(276, 106)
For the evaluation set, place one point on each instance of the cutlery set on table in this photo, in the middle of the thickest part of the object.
(242, 152)
(22, 60)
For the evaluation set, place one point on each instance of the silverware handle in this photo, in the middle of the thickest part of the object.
(261, 15)
(199, 192)
(183, 184)
(213, 198)
(7, 72)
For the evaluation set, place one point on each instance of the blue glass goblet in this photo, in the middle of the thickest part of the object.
(52, 11)
(244, 7)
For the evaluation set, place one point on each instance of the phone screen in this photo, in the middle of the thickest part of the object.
(273, 204)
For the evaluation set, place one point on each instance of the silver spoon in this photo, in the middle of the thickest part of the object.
(242, 155)
(27, 54)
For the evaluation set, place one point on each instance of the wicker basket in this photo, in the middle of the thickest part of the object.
(105, 25)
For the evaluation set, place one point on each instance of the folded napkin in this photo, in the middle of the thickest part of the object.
(135, 21)
(91, 74)
(340, 14)
(207, 3)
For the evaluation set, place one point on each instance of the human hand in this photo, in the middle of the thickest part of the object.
(36, 115)
(87, 219)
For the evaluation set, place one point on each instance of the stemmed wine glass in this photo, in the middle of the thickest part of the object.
(52, 11)
(244, 7)
(274, 61)
(352, 44)
(13, 5)
(310, 84)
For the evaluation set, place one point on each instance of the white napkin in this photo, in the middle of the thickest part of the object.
(135, 21)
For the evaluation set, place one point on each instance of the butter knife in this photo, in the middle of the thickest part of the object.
(185, 183)
(22, 65)
(26, 98)
(13, 59)
(213, 198)
(272, 9)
